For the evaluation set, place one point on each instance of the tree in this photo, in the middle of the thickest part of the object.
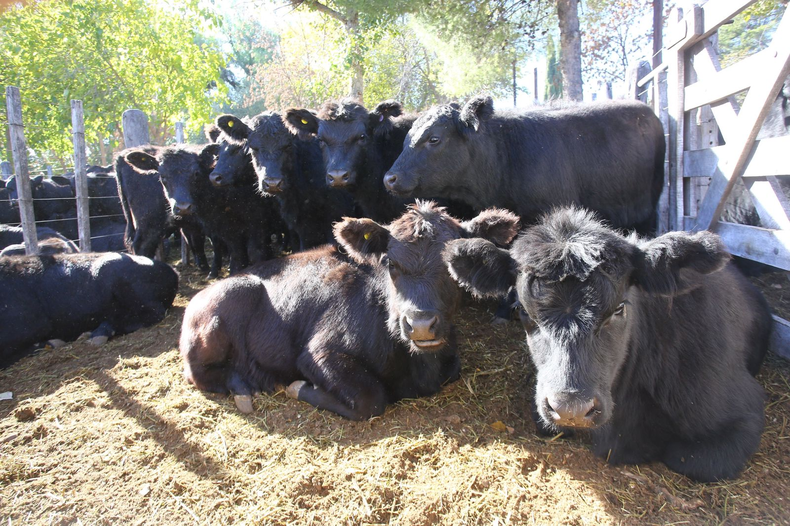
(751, 31)
(113, 55)
(615, 35)
(570, 49)
(553, 74)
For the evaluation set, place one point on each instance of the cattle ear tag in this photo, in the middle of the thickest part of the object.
(230, 124)
(304, 121)
(366, 236)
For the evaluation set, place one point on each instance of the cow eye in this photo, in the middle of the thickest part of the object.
(620, 310)
(362, 137)
(433, 140)
(535, 288)
(528, 323)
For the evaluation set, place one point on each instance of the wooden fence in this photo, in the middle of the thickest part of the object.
(698, 102)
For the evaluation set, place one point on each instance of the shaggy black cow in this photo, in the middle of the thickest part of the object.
(350, 328)
(62, 296)
(147, 214)
(289, 166)
(53, 203)
(608, 157)
(9, 212)
(359, 147)
(651, 344)
(13, 235)
(234, 215)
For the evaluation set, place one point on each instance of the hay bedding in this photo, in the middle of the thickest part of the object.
(115, 436)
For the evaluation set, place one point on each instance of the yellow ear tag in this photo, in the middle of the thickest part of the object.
(230, 124)
(367, 236)
(304, 121)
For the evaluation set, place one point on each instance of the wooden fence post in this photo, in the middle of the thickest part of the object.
(184, 244)
(80, 176)
(19, 153)
(135, 128)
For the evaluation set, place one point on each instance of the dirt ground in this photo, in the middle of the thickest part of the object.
(114, 435)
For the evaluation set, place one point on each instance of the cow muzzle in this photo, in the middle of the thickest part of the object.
(183, 209)
(338, 178)
(424, 330)
(272, 186)
(218, 179)
(573, 410)
(397, 184)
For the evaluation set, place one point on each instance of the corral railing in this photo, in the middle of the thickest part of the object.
(712, 117)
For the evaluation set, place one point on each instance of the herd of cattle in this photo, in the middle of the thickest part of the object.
(651, 344)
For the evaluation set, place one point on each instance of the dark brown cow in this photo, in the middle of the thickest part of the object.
(350, 328)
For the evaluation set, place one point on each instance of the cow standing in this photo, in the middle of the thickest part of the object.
(289, 167)
(608, 157)
(350, 328)
(652, 345)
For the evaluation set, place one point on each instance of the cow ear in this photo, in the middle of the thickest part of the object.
(380, 119)
(208, 156)
(480, 267)
(475, 111)
(301, 122)
(668, 264)
(142, 161)
(60, 180)
(496, 225)
(39, 179)
(362, 238)
(236, 129)
(212, 132)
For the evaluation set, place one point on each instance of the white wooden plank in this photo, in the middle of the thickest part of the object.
(769, 157)
(780, 338)
(763, 245)
(715, 86)
(770, 202)
(755, 107)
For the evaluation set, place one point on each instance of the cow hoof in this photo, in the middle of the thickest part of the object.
(56, 344)
(98, 340)
(496, 320)
(243, 403)
(292, 391)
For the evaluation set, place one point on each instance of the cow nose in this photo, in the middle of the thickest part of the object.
(337, 178)
(217, 179)
(183, 209)
(390, 179)
(273, 185)
(573, 411)
(421, 327)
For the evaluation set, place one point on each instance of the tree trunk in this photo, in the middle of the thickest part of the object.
(357, 68)
(570, 49)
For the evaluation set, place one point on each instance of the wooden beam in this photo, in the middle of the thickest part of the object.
(135, 128)
(719, 12)
(750, 119)
(763, 245)
(780, 338)
(81, 176)
(715, 86)
(13, 101)
(768, 157)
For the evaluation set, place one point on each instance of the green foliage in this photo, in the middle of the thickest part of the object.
(112, 55)
(751, 31)
(553, 73)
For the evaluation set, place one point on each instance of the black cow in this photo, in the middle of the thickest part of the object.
(54, 203)
(62, 296)
(350, 329)
(290, 167)
(653, 345)
(13, 235)
(608, 157)
(235, 215)
(148, 217)
(358, 148)
(9, 212)
(47, 246)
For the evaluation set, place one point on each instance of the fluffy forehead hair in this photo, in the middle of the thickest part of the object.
(268, 124)
(423, 219)
(347, 110)
(569, 242)
(179, 154)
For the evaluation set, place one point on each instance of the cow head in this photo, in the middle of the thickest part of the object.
(579, 288)
(422, 297)
(436, 148)
(271, 145)
(234, 164)
(182, 172)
